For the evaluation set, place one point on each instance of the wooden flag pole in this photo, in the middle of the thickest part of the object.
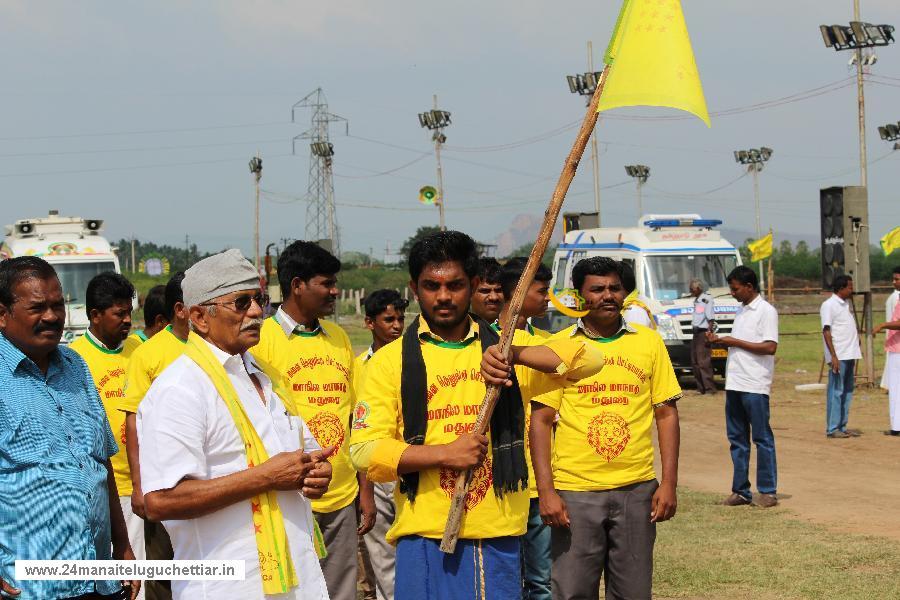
(457, 502)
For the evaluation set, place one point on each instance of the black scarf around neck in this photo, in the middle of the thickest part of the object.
(510, 472)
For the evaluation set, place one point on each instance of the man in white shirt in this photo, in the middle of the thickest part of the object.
(636, 309)
(841, 353)
(224, 465)
(889, 305)
(748, 381)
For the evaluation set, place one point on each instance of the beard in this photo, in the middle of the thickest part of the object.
(456, 317)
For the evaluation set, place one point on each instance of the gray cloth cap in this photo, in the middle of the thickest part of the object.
(218, 275)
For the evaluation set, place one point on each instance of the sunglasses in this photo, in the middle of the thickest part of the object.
(243, 303)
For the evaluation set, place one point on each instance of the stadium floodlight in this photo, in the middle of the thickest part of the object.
(584, 84)
(755, 157)
(322, 149)
(857, 35)
(640, 173)
(890, 132)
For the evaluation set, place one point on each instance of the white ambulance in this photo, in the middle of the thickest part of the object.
(76, 250)
(666, 252)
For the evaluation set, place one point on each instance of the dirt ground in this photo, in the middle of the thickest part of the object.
(848, 485)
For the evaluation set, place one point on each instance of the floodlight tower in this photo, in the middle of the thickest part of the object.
(585, 84)
(860, 36)
(755, 159)
(321, 220)
(640, 173)
(436, 120)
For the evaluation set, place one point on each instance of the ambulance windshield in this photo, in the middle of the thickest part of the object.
(669, 277)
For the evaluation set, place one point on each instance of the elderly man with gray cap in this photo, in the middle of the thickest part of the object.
(224, 464)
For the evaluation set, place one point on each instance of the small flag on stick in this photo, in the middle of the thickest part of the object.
(761, 249)
(652, 60)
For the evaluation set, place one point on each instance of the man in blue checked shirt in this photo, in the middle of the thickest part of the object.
(58, 499)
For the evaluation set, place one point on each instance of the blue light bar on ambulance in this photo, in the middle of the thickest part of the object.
(660, 223)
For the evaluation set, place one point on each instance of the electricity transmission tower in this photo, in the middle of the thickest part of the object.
(321, 220)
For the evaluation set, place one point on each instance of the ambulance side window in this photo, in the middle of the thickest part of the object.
(559, 280)
(576, 256)
(630, 263)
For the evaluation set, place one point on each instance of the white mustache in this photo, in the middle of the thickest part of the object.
(252, 324)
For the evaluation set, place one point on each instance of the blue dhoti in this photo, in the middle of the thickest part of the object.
(479, 569)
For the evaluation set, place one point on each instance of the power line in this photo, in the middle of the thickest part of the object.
(834, 174)
(700, 194)
(388, 172)
(138, 149)
(131, 168)
(139, 132)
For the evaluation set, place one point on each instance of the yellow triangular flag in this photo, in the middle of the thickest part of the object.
(761, 249)
(652, 60)
(891, 241)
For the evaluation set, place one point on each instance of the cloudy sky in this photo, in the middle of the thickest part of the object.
(145, 114)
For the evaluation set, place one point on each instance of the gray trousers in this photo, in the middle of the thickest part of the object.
(611, 535)
(340, 566)
(381, 553)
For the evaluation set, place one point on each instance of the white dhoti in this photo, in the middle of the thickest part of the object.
(135, 526)
(892, 370)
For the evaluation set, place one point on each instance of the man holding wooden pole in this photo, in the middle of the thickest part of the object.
(415, 420)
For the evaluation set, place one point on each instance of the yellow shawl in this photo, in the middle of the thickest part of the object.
(275, 564)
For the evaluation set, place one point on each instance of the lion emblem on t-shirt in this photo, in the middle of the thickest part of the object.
(327, 428)
(609, 434)
(482, 482)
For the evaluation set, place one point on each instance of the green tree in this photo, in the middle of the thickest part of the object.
(421, 233)
(179, 258)
(525, 250)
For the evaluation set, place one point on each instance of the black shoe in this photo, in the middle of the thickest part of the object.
(892, 432)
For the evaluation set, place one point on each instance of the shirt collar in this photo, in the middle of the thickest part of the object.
(231, 361)
(755, 303)
(93, 339)
(624, 326)
(425, 332)
(369, 353)
(528, 326)
(290, 326)
(13, 357)
(838, 299)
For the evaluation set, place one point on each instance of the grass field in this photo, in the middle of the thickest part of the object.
(712, 551)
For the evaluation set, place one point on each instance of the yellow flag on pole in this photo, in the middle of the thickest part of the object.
(891, 241)
(761, 249)
(652, 60)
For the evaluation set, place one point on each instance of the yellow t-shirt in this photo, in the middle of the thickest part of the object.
(133, 342)
(531, 336)
(455, 389)
(604, 436)
(360, 366)
(146, 364)
(317, 369)
(108, 371)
